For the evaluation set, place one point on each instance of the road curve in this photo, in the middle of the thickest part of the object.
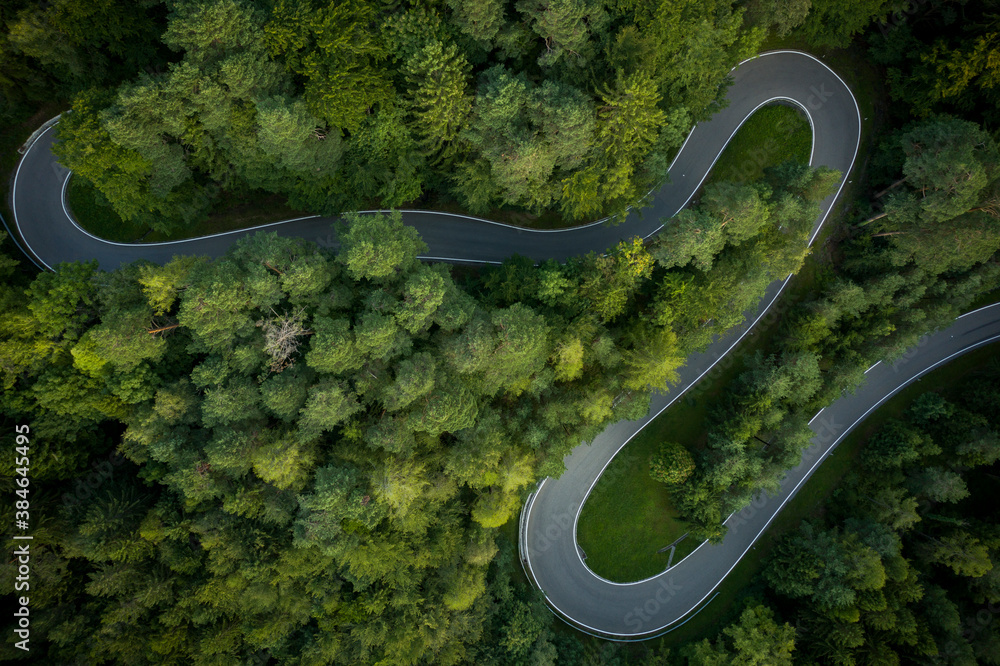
(644, 609)
(45, 226)
(548, 545)
(548, 524)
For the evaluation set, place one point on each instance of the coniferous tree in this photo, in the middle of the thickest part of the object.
(439, 77)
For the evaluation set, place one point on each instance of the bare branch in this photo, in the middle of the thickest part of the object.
(155, 327)
(872, 219)
(282, 337)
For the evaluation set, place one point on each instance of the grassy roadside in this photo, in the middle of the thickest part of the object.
(231, 213)
(629, 516)
(14, 133)
(95, 215)
(93, 212)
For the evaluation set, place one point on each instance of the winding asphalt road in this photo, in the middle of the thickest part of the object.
(45, 225)
(548, 523)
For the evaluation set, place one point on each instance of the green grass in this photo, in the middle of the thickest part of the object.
(551, 219)
(770, 136)
(94, 213)
(237, 212)
(628, 516)
(627, 519)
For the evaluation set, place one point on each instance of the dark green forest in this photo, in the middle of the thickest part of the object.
(297, 455)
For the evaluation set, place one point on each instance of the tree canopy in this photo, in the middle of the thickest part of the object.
(320, 446)
(544, 105)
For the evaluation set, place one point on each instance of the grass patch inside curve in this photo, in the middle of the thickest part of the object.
(93, 212)
(96, 216)
(770, 136)
(628, 516)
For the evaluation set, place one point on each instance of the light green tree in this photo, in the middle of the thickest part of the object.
(566, 27)
(378, 246)
(333, 46)
(653, 361)
(628, 125)
(671, 464)
(438, 75)
(478, 19)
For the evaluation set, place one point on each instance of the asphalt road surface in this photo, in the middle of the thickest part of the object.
(548, 524)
